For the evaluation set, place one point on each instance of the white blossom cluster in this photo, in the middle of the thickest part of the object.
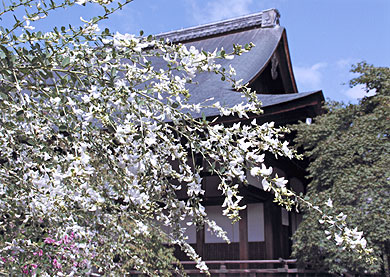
(342, 234)
(96, 143)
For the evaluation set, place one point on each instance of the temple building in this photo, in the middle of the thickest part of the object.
(265, 230)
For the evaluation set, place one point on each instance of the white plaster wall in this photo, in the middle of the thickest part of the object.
(190, 230)
(215, 213)
(255, 222)
(285, 219)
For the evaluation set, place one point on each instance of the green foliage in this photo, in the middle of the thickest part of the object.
(348, 148)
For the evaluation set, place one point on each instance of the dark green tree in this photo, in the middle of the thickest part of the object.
(349, 152)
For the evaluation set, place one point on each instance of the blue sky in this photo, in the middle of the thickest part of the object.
(325, 36)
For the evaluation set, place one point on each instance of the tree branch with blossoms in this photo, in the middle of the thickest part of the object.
(96, 143)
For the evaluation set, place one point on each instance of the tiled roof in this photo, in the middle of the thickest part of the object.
(247, 66)
(264, 19)
(262, 29)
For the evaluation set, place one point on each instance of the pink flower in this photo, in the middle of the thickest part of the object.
(3, 259)
(67, 239)
(25, 269)
(49, 240)
(39, 253)
(56, 264)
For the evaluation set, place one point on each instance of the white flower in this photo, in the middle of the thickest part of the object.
(255, 171)
(232, 71)
(81, 2)
(28, 26)
(201, 265)
(339, 240)
(55, 100)
(244, 145)
(141, 228)
(286, 150)
(265, 171)
(265, 184)
(150, 140)
(194, 188)
(342, 216)
(281, 182)
(363, 243)
(84, 158)
(86, 98)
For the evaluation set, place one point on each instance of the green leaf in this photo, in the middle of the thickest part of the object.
(30, 142)
(113, 72)
(65, 62)
(2, 54)
(3, 96)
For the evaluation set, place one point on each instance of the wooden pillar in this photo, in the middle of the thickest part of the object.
(268, 230)
(244, 246)
(200, 242)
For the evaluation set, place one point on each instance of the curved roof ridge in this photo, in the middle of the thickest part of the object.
(263, 19)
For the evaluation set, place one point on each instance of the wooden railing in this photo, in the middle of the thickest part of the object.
(249, 268)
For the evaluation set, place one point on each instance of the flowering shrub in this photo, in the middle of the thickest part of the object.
(96, 142)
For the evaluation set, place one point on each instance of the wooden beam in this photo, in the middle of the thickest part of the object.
(288, 58)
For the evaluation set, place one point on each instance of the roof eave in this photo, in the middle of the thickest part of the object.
(312, 102)
(265, 19)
